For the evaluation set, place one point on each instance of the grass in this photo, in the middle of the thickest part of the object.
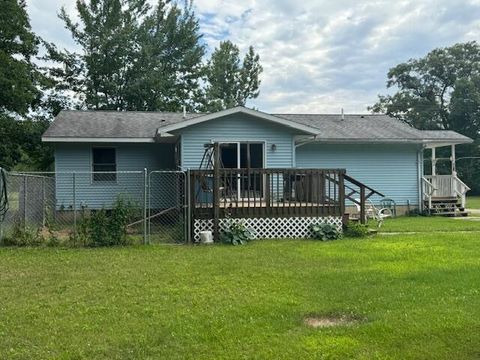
(430, 224)
(417, 296)
(473, 202)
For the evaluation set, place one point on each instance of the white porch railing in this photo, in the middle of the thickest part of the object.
(428, 190)
(444, 186)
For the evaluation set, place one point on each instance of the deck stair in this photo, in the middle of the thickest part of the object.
(446, 206)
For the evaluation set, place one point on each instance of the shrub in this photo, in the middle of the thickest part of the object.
(23, 236)
(356, 230)
(108, 228)
(237, 234)
(325, 232)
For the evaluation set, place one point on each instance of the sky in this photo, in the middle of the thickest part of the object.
(318, 55)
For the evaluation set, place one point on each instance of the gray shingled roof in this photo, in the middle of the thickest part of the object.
(112, 124)
(331, 127)
(369, 127)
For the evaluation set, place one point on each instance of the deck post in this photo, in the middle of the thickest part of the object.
(216, 192)
(341, 194)
(363, 220)
(267, 194)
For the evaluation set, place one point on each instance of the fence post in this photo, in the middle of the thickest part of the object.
(145, 192)
(44, 207)
(74, 179)
(24, 202)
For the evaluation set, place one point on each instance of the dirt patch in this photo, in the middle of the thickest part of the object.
(326, 321)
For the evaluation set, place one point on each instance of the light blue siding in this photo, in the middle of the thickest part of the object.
(390, 169)
(76, 158)
(238, 127)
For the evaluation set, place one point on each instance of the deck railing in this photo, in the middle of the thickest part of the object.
(444, 186)
(267, 192)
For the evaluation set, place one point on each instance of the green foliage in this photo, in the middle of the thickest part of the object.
(139, 57)
(21, 147)
(230, 82)
(237, 234)
(107, 227)
(22, 236)
(356, 230)
(18, 44)
(325, 232)
(441, 91)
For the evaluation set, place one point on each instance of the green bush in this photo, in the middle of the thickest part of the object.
(237, 234)
(356, 230)
(22, 236)
(108, 228)
(325, 232)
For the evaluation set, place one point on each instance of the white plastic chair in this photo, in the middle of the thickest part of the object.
(372, 212)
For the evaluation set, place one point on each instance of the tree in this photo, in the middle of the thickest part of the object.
(135, 57)
(230, 82)
(107, 35)
(440, 91)
(167, 71)
(22, 86)
(18, 44)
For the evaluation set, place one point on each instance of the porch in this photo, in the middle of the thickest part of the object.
(444, 194)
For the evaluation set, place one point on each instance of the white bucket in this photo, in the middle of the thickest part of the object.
(206, 237)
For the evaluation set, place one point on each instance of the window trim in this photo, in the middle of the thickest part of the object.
(100, 182)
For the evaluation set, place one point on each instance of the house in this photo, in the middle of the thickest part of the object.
(376, 150)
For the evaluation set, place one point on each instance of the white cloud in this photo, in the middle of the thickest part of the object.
(318, 56)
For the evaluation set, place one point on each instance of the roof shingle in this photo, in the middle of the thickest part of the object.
(331, 127)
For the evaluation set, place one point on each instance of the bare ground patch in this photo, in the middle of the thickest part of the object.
(326, 321)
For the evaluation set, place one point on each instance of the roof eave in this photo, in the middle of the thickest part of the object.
(70, 139)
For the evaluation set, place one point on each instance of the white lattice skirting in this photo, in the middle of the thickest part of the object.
(271, 228)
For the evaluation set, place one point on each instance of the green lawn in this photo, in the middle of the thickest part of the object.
(418, 296)
(473, 202)
(430, 224)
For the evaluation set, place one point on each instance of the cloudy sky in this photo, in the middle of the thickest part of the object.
(318, 55)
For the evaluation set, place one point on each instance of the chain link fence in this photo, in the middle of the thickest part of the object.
(59, 205)
(167, 207)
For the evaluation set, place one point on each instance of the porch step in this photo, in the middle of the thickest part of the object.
(446, 207)
(448, 199)
(451, 213)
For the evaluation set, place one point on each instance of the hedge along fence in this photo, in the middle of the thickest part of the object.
(91, 209)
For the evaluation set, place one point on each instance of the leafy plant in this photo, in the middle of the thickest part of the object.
(22, 236)
(108, 228)
(356, 230)
(325, 232)
(237, 234)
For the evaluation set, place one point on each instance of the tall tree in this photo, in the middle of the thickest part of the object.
(135, 57)
(18, 44)
(231, 82)
(107, 34)
(22, 85)
(167, 71)
(440, 91)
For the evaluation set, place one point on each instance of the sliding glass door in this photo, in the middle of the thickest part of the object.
(244, 155)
